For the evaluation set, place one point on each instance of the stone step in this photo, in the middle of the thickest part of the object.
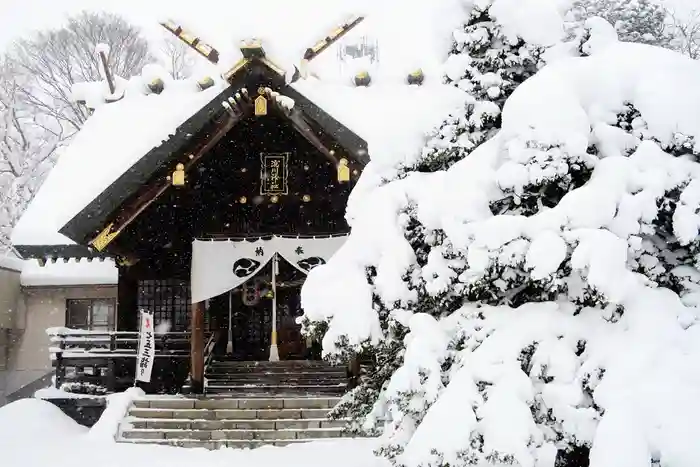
(277, 388)
(273, 370)
(226, 434)
(281, 363)
(210, 425)
(296, 375)
(256, 374)
(257, 403)
(275, 382)
(246, 368)
(228, 414)
(230, 443)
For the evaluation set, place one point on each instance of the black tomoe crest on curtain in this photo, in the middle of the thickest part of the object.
(307, 264)
(244, 267)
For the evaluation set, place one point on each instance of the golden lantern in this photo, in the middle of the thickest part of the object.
(178, 178)
(343, 171)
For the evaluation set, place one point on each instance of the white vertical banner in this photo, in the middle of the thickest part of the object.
(147, 348)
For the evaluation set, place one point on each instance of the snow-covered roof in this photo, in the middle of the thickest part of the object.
(389, 114)
(11, 261)
(69, 273)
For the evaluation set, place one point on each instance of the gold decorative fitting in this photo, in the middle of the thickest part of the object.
(362, 79)
(178, 178)
(156, 86)
(252, 48)
(242, 200)
(274, 199)
(191, 156)
(204, 49)
(205, 83)
(104, 238)
(273, 66)
(260, 106)
(343, 171)
(306, 198)
(240, 64)
(416, 77)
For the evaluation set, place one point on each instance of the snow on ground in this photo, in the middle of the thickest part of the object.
(34, 433)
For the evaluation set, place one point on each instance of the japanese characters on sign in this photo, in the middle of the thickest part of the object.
(274, 174)
(147, 348)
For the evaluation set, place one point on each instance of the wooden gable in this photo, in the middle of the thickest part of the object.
(118, 206)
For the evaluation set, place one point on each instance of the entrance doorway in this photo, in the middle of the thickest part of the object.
(251, 318)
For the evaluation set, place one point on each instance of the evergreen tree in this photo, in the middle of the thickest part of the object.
(518, 393)
(488, 65)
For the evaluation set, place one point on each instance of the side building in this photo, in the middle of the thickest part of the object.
(34, 299)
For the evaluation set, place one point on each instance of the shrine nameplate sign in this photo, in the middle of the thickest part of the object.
(274, 174)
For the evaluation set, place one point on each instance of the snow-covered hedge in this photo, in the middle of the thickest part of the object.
(535, 304)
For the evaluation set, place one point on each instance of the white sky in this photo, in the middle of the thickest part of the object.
(21, 17)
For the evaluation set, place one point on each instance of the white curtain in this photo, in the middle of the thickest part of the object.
(222, 265)
(307, 253)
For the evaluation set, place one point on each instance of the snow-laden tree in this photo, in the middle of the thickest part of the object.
(54, 60)
(643, 21)
(535, 304)
(686, 32)
(28, 144)
(488, 65)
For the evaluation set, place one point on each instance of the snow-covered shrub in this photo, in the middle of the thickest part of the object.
(550, 278)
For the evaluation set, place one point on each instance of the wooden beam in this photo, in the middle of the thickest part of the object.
(323, 44)
(197, 348)
(299, 123)
(153, 192)
(196, 43)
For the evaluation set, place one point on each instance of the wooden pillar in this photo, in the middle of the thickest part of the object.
(197, 348)
(127, 300)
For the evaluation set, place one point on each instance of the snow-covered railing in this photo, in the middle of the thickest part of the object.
(107, 359)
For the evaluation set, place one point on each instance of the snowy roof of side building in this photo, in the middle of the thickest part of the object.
(391, 116)
(73, 272)
(68, 273)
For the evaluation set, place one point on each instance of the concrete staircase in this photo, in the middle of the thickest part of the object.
(247, 404)
(213, 423)
(286, 378)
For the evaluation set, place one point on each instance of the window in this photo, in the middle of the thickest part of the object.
(92, 314)
(168, 300)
